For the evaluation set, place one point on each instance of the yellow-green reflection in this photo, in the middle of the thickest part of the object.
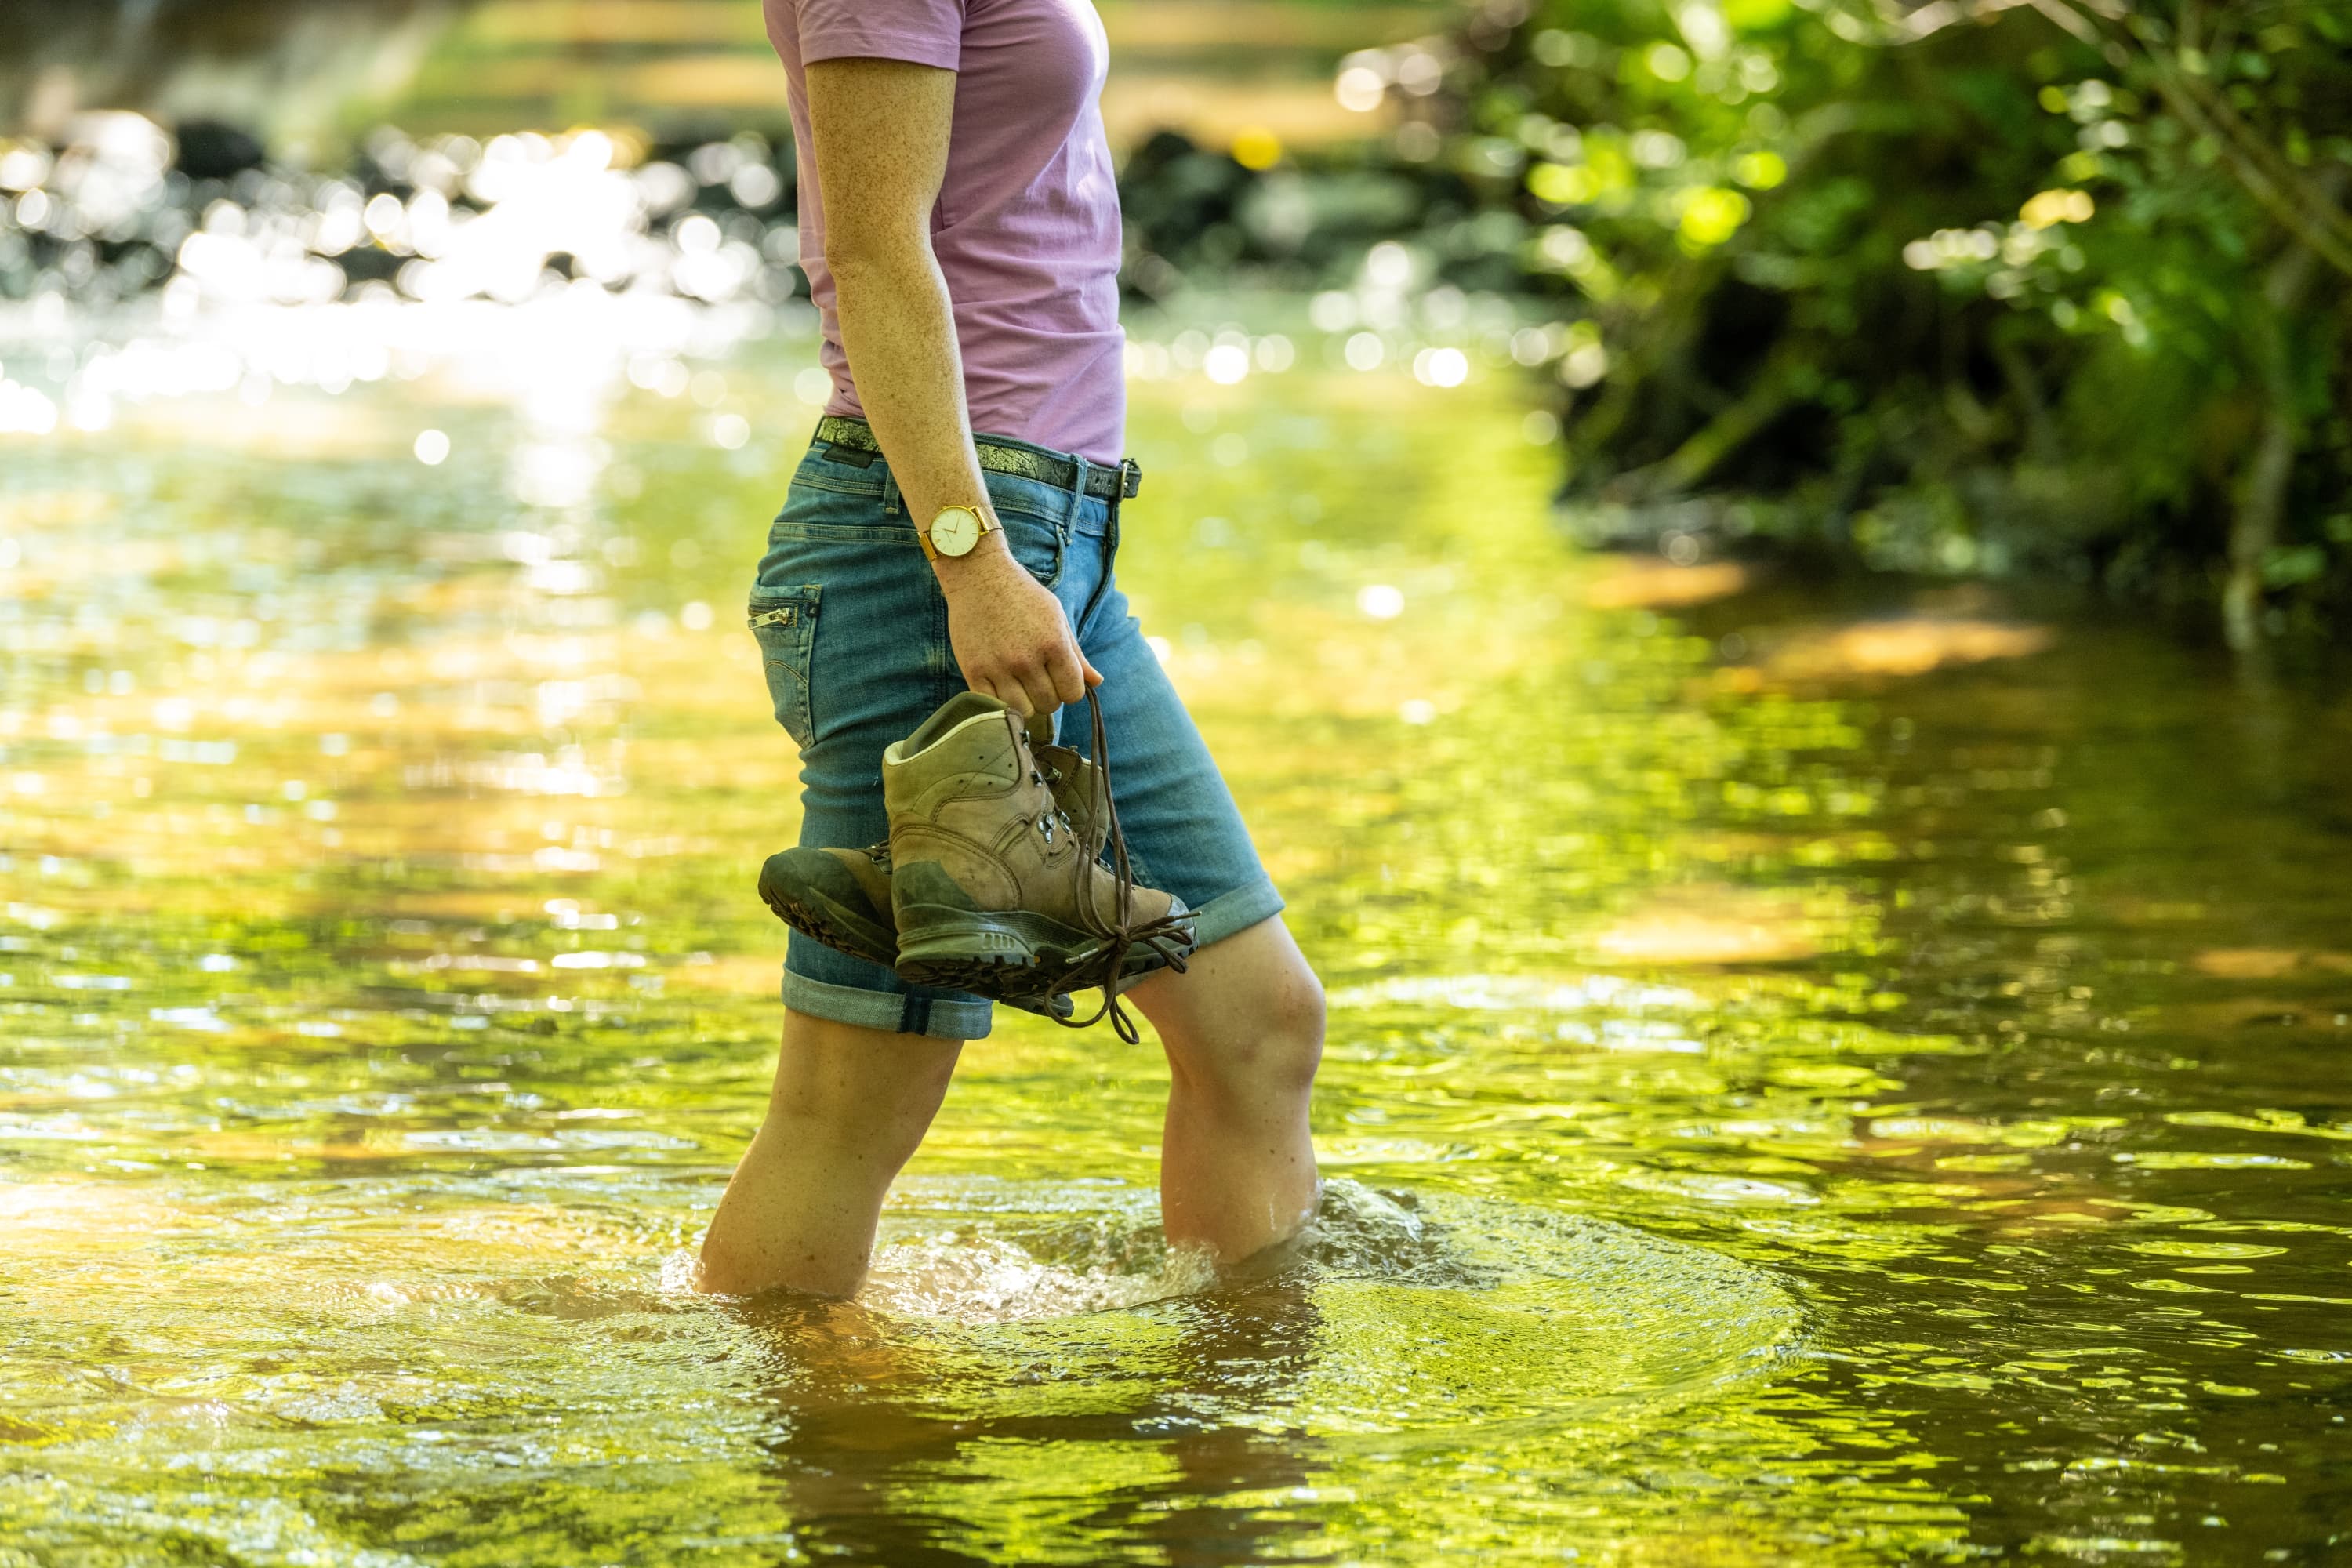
(1814, 1073)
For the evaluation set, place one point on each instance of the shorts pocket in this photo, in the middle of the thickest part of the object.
(1030, 513)
(784, 622)
(1037, 545)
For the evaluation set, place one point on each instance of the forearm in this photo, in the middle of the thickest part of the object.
(898, 327)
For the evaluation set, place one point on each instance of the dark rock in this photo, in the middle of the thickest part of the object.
(369, 264)
(215, 150)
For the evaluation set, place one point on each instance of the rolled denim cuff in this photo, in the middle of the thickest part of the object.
(1229, 914)
(899, 1013)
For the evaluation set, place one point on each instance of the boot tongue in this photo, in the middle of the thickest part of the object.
(955, 710)
(972, 742)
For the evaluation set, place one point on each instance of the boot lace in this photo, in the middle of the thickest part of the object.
(1166, 936)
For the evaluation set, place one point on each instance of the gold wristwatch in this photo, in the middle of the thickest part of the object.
(956, 531)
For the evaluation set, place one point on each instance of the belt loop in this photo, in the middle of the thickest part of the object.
(1078, 492)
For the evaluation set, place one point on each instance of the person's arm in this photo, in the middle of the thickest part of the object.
(880, 132)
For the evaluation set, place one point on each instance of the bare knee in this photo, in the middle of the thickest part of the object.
(1295, 1031)
(1260, 1048)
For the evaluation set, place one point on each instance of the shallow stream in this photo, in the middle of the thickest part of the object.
(1837, 1075)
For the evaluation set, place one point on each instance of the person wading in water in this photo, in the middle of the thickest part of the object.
(960, 224)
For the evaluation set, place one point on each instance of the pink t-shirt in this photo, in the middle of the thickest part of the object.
(1027, 227)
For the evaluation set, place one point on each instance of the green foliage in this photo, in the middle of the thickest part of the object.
(1956, 287)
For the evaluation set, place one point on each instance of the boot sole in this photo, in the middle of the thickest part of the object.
(829, 923)
(1011, 955)
(826, 921)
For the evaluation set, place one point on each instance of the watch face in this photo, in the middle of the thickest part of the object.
(954, 531)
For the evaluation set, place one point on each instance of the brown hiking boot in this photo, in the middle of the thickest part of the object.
(996, 884)
(841, 898)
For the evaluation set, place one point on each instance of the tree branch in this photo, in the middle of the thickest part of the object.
(2300, 204)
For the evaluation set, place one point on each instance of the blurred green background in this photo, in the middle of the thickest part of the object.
(1961, 288)
(312, 74)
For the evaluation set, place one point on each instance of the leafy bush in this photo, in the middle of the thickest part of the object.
(1973, 286)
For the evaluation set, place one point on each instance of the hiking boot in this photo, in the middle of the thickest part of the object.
(996, 886)
(841, 898)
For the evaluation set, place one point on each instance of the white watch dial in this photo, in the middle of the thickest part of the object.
(955, 530)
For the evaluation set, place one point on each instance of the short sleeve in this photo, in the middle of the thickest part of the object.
(926, 32)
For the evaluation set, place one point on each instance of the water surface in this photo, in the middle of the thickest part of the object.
(1838, 1074)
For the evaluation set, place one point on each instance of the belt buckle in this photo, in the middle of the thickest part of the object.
(1130, 478)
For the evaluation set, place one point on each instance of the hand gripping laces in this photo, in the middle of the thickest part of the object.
(1165, 935)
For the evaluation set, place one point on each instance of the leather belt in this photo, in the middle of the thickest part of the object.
(846, 435)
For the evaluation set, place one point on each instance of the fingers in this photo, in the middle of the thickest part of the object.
(1068, 669)
(1005, 690)
(1063, 678)
(1042, 697)
(1026, 691)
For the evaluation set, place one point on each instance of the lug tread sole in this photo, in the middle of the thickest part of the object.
(837, 928)
(843, 932)
(956, 951)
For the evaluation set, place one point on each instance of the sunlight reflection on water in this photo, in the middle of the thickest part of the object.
(1785, 1098)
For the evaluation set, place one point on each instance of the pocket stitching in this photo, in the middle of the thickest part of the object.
(840, 486)
(791, 649)
(839, 532)
(1036, 529)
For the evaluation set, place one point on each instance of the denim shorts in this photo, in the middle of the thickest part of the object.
(862, 660)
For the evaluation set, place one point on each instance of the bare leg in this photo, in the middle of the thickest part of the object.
(848, 1109)
(1244, 1031)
